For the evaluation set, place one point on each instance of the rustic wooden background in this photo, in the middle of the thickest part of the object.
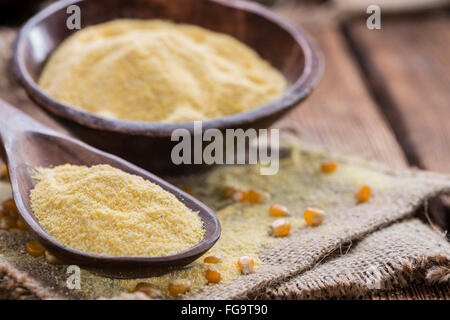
(385, 94)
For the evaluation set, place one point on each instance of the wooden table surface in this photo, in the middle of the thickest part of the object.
(385, 94)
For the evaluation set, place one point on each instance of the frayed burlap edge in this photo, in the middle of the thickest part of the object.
(435, 269)
(17, 285)
(404, 253)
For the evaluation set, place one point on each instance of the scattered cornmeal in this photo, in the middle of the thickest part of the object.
(246, 264)
(52, 259)
(314, 216)
(179, 286)
(278, 210)
(212, 276)
(149, 290)
(35, 249)
(104, 210)
(329, 167)
(280, 228)
(363, 194)
(212, 259)
(155, 70)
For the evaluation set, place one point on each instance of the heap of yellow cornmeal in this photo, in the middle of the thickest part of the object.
(154, 70)
(104, 210)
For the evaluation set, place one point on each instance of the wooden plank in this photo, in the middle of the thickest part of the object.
(408, 67)
(340, 113)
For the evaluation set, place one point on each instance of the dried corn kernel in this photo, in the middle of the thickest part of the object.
(52, 259)
(188, 190)
(3, 172)
(212, 276)
(212, 259)
(314, 216)
(280, 228)
(21, 224)
(329, 167)
(8, 222)
(246, 264)
(179, 286)
(278, 210)
(257, 196)
(9, 208)
(239, 195)
(35, 249)
(229, 191)
(363, 194)
(149, 290)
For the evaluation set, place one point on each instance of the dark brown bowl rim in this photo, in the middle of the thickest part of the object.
(299, 90)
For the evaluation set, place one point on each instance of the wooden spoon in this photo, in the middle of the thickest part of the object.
(29, 144)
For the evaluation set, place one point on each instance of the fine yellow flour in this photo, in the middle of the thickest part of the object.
(104, 210)
(156, 70)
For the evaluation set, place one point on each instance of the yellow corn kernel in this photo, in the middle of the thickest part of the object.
(3, 172)
(239, 195)
(8, 222)
(280, 228)
(179, 286)
(363, 194)
(212, 259)
(52, 259)
(278, 210)
(246, 264)
(229, 191)
(314, 216)
(35, 249)
(149, 290)
(9, 208)
(21, 224)
(329, 167)
(257, 196)
(188, 190)
(212, 276)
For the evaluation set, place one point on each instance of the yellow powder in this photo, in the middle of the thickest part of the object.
(299, 184)
(104, 210)
(158, 71)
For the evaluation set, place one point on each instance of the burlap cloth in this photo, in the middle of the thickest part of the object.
(359, 248)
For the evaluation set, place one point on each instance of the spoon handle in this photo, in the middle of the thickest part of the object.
(13, 122)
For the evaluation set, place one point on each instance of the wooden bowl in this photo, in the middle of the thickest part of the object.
(148, 144)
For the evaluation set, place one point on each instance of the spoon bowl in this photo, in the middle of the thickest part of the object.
(28, 144)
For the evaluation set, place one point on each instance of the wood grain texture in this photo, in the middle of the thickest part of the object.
(408, 64)
(340, 114)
